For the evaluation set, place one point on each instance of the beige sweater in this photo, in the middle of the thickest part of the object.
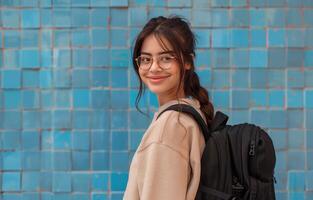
(166, 165)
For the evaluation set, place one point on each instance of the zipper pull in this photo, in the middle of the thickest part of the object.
(252, 149)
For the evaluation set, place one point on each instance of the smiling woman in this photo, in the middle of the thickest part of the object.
(166, 164)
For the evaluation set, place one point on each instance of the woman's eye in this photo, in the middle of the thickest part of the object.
(166, 58)
(145, 60)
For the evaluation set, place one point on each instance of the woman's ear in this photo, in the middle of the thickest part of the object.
(187, 66)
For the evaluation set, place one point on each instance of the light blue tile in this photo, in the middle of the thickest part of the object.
(119, 161)
(80, 140)
(11, 161)
(240, 17)
(240, 99)
(258, 58)
(100, 161)
(11, 140)
(100, 140)
(30, 140)
(31, 119)
(258, 78)
(81, 182)
(25, 62)
(100, 37)
(12, 120)
(258, 38)
(81, 160)
(100, 3)
(61, 78)
(119, 140)
(220, 58)
(240, 79)
(81, 119)
(258, 98)
(31, 160)
(61, 182)
(239, 58)
(296, 181)
(138, 16)
(119, 38)
(81, 57)
(119, 78)
(10, 58)
(295, 37)
(30, 18)
(61, 39)
(221, 38)
(275, 17)
(31, 99)
(80, 17)
(61, 140)
(220, 17)
(221, 98)
(61, 17)
(119, 57)
(45, 79)
(240, 38)
(295, 139)
(135, 139)
(220, 79)
(46, 17)
(81, 98)
(119, 3)
(203, 37)
(201, 18)
(12, 99)
(119, 120)
(62, 161)
(276, 98)
(278, 119)
(100, 57)
(119, 17)
(12, 39)
(11, 181)
(119, 99)
(118, 181)
(139, 121)
(100, 119)
(80, 3)
(295, 98)
(308, 62)
(100, 78)
(308, 99)
(62, 98)
(29, 38)
(257, 18)
(10, 18)
(62, 58)
(100, 99)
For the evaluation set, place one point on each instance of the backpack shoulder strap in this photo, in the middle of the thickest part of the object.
(193, 113)
(219, 121)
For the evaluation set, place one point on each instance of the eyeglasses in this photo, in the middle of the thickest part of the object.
(164, 61)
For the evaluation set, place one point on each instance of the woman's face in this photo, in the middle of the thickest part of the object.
(162, 82)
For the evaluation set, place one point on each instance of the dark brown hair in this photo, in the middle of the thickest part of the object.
(176, 31)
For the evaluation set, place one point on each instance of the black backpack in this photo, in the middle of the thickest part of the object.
(238, 161)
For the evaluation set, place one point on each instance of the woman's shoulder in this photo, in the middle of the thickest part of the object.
(173, 129)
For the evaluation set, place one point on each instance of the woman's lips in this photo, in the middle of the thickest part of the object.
(157, 79)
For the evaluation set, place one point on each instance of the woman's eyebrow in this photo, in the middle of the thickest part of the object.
(160, 53)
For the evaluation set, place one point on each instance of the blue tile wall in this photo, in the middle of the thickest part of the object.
(68, 122)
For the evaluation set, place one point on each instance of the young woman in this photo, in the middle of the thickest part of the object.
(166, 165)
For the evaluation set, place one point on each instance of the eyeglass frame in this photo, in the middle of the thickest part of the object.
(152, 58)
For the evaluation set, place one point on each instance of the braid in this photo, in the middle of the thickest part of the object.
(195, 90)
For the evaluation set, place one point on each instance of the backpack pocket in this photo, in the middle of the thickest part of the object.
(261, 156)
(261, 190)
